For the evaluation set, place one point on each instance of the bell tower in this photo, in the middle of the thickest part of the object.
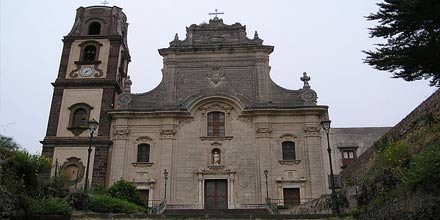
(92, 71)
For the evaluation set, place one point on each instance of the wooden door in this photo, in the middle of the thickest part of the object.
(216, 194)
(291, 196)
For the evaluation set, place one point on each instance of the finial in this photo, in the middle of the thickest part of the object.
(176, 37)
(256, 35)
(105, 2)
(306, 80)
(127, 84)
(216, 13)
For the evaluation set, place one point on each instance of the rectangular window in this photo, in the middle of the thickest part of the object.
(216, 124)
(348, 157)
(289, 150)
(143, 155)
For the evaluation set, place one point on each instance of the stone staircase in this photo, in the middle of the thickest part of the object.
(234, 214)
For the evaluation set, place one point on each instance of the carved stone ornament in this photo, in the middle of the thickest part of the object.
(142, 165)
(263, 132)
(168, 133)
(73, 170)
(124, 100)
(75, 72)
(309, 96)
(144, 139)
(289, 162)
(216, 107)
(120, 133)
(215, 76)
(312, 130)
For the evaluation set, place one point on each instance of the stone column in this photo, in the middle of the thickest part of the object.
(169, 78)
(231, 199)
(166, 161)
(314, 165)
(199, 203)
(118, 151)
(264, 157)
(263, 79)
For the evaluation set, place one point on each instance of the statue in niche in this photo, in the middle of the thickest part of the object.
(216, 158)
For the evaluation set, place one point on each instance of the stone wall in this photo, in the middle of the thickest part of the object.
(376, 197)
(430, 108)
(416, 206)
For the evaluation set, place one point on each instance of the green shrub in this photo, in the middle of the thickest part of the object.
(99, 189)
(126, 191)
(51, 205)
(424, 169)
(106, 203)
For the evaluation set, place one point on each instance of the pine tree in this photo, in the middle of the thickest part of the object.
(412, 32)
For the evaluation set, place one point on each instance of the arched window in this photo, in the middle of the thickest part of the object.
(216, 124)
(94, 28)
(289, 150)
(89, 53)
(143, 153)
(79, 118)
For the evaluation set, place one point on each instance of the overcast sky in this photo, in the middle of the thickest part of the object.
(323, 38)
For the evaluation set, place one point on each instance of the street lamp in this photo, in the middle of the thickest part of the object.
(267, 190)
(326, 127)
(92, 125)
(165, 177)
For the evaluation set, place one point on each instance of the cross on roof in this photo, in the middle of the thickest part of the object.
(105, 2)
(216, 13)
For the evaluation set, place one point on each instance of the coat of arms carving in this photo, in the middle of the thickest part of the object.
(215, 75)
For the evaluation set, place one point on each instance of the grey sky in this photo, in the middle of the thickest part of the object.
(323, 38)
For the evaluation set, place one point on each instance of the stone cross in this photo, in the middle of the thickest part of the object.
(306, 80)
(105, 2)
(216, 13)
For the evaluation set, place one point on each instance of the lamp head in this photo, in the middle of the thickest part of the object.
(265, 172)
(93, 125)
(326, 125)
(165, 174)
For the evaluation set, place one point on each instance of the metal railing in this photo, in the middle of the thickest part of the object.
(290, 202)
(159, 208)
(252, 206)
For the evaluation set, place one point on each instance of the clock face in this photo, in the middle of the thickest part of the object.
(86, 71)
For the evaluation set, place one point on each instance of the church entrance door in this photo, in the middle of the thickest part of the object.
(291, 196)
(216, 194)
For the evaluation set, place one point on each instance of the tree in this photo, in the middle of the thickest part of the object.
(412, 32)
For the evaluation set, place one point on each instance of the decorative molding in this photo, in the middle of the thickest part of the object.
(263, 131)
(73, 163)
(216, 107)
(144, 139)
(75, 72)
(216, 138)
(142, 164)
(120, 133)
(167, 133)
(289, 162)
(124, 99)
(312, 130)
(216, 167)
(291, 180)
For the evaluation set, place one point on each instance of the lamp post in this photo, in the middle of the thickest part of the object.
(267, 190)
(165, 177)
(92, 125)
(326, 127)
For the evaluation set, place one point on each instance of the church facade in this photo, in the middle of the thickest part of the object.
(216, 133)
